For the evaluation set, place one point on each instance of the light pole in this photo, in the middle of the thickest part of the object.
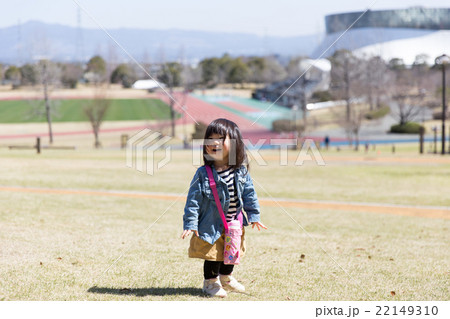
(443, 60)
(295, 109)
(185, 139)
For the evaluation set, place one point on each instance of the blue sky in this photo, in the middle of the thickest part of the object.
(271, 18)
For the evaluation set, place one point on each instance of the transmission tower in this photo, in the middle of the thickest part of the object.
(19, 43)
(79, 45)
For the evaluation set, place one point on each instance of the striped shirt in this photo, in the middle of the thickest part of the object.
(228, 176)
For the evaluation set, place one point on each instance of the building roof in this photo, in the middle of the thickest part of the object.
(412, 18)
(388, 43)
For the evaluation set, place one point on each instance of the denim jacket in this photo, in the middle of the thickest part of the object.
(201, 213)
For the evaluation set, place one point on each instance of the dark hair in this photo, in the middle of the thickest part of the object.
(226, 127)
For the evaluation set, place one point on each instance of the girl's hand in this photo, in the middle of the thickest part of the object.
(187, 232)
(258, 225)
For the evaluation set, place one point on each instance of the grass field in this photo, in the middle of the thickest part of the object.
(122, 246)
(22, 111)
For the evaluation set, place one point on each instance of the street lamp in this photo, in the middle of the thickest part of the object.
(443, 60)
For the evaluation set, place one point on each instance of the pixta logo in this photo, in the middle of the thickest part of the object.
(141, 148)
(308, 151)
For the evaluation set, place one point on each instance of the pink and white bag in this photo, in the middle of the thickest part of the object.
(233, 229)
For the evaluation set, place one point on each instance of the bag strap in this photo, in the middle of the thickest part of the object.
(212, 184)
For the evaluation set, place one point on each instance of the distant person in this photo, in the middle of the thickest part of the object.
(207, 221)
(327, 141)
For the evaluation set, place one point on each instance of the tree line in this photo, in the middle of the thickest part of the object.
(351, 75)
(404, 90)
(354, 79)
(209, 72)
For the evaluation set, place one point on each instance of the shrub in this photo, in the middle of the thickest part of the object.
(322, 96)
(123, 74)
(437, 115)
(407, 128)
(286, 125)
(378, 113)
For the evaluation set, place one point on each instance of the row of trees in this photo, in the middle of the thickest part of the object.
(371, 80)
(208, 73)
(408, 89)
(65, 74)
(46, 75)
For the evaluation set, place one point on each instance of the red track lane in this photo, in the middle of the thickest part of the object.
(204, 112)
(111, 130)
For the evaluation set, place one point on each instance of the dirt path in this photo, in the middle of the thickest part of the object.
(393, 159)
(419, 211)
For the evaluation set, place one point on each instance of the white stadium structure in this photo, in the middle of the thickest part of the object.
(403, 34)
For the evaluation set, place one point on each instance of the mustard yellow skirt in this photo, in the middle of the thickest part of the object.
(199, 248)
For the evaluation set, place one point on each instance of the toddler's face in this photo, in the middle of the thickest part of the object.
(218, 147)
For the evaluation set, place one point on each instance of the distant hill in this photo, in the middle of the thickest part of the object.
(36, 39)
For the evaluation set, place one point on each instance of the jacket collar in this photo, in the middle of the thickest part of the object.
(240, 171)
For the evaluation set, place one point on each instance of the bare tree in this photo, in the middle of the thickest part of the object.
(190, 77)
(146, 65)
(49, 77)
(354, 125)
(407, 96)
(375, 78)
(111, 63)
(408, 107)
(420, 69)
(171, 76)
(345, 74)
(71, 73)
(346, 84)
(95, 110)
(2, 73)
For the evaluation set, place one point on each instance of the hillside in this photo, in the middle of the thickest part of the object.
(25, 42)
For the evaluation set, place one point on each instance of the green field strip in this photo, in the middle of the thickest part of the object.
(23, 111)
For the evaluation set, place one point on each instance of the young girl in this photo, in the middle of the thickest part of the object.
(224, 152)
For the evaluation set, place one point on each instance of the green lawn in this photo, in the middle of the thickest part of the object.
(72, 110)
(58, 246)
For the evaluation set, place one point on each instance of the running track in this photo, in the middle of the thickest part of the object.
(197, 110)
(415, 211)
(205, 112)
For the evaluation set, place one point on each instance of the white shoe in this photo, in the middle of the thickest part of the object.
(229, 283)
(213, 288)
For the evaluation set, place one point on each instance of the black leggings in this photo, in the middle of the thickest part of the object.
(212, 269)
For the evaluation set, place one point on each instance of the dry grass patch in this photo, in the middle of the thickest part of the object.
(57, 247)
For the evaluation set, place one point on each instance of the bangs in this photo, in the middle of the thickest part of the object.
(224, 128)
(218, 127)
